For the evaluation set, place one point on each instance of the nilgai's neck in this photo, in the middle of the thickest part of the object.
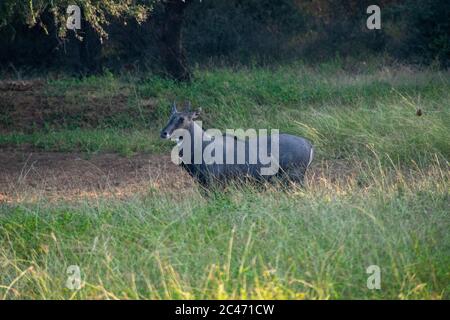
(196, 131)
(196, 134)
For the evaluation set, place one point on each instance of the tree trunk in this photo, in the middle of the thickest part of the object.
(90, 49)
(171, 46)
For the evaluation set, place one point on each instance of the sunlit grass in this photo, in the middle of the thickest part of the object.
(240, 242)
(378, 194)
(125, 142)
(342, 113)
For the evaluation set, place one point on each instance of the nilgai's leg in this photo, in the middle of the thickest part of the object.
(296, 175)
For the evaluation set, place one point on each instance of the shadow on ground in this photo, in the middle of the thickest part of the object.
(27, 176)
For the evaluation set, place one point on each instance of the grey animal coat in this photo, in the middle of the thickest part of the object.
(295, 156)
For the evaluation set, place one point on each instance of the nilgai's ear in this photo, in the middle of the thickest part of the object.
(174, 107)
(196, 113)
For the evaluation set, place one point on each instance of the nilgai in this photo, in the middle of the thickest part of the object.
(294, 154)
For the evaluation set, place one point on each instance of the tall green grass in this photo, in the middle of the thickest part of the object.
(313, 243)
(125, 142)
(342, 113)
(388, 205)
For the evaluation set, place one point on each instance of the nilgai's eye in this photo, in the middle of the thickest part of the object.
(181, 120)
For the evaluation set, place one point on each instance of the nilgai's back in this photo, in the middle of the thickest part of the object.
(294, 156)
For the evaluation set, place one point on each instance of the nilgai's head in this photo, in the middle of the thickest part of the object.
(178, 120)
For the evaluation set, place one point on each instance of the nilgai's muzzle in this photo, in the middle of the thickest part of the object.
(164, 135)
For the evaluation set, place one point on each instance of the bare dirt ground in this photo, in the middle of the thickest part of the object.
(28, 176)
(31, 104)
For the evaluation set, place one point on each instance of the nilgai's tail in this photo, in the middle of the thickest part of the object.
(311, 156)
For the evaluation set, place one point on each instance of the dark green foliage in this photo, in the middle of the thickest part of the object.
(428, 30)
(243, 30)
(236, 31)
